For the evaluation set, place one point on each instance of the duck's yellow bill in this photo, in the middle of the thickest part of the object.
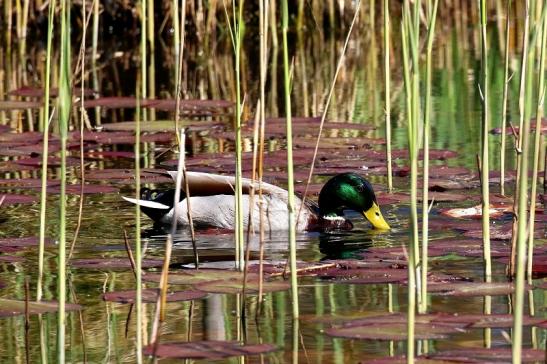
(374, 215)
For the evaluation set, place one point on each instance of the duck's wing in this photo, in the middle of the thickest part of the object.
(147, 203)
(208, 184)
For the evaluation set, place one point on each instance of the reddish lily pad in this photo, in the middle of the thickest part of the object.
(112, 263)
(28, 91)
(484, 355)
(195, 276)
(15, 307)
(126, 176)
(366, 275)
(19, 105)
(24, 242)
(12, 199)
(88, 189)
(10, 259)
(194, 105)
(28, 137)
(10, 167)
(209, 350)
(118, 102)
(150, 295)
(468, 289)
(496, 320)
(235, 286)
(394, 331)
(51, 161)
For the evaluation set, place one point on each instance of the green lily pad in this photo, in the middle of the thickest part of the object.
(159, 125)
(484, 355)
(235, 286)
(473, 289)
(15, 307)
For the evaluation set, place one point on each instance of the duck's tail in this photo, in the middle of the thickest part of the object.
(154, 203)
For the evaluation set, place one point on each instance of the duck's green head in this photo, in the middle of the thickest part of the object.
(350, 191)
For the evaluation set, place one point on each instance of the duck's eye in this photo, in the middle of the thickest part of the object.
(377, 213)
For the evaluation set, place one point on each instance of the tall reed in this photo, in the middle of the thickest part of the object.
(290, 173)
(65, 108)
(485, 188)
(45, 151)
(236, 34)
(409, 35)
(432, 16)
(387, 83)
(505, 96)
(537, 143)
(522, 234)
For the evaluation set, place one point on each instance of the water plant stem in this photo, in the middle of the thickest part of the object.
(485, 167)
(505, 96)
(406, 36)
(65, 107)
(432, 16)
(537, 143)
(522, 233)
(45, 152)
(290, 175)
(387, 83)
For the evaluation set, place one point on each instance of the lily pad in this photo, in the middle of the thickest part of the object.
(88, 189)
(150, 295)
(496, 320)
(51, 161)
(394, 331)
(19, 105)
(484, 355)
(194, 276)
(118, 102)
(112, 263)
(366, 275)
(126, 176)
(15, 307)
(160, 125)
(23, 242)
(12, 199)
(235, 286)
(209, 350)
(27, 91)
(473, 289)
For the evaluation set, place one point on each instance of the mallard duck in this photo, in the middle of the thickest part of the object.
(212, 204)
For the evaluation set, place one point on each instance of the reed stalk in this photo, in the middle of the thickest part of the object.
(406, 35)
(522, 233)
(387, 84)
(94, 57)
(65, 107)
(138, 250)
(485, 188)
(537, 144)
(432, 16)
(505, 96)
(45, 152)
(263, 24)
(290, 172)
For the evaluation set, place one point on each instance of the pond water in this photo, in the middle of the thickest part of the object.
(329, 295)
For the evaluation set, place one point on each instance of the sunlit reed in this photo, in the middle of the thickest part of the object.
(407, 33)
(432, 17)
(290, 174)
(503, 122)
(537, 143)
(387, 94)
(522, 192)
(45, 152)
(65, 108)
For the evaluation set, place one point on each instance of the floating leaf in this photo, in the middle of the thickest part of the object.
(23, 242)
(19, 105)
(126, 176)
(12, 199)
(27, 91)
(209, 350)
(193, 276)
(161, 125)
(495, 320)
(150, 295)
(235, 286)
(112, 263)
(14, 307)
(26, 182)
(88, 189)
(484, 355)
(28, 137)
(51, 161)
(118, 102)
(366, 275)
(473, 289)
(394, 331)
